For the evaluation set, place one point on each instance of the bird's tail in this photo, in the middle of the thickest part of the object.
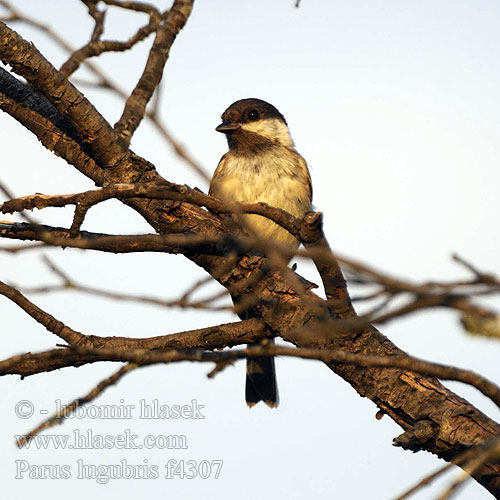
(261, 382)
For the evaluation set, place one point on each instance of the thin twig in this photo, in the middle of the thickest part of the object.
(63, 413)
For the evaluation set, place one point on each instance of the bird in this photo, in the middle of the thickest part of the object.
(262, 165)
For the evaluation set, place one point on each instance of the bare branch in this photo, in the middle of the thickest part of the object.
(433, 418)
(39, 116)
(468, 459)
(144, 7)
(27, 61)
(489, 452)
(148, 357)
(104, 81)
(49, 322)
(98, 17)
(311, 234)
(59, 417)
(166, 34)
(184, 301)
(96, 47)
(214, 337)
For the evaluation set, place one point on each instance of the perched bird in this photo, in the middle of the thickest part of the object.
(261, 165)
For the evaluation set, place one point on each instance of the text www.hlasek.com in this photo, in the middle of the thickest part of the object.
(89, 440)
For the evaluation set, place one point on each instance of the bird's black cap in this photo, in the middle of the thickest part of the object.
(245, 111)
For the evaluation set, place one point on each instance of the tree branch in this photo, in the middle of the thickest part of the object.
(39, 116)
(96, 47)
(77, 403)
(142, 357)
(49, 322)
(434, 418)
(135, 107)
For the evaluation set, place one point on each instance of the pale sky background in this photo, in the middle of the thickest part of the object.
(395, 105)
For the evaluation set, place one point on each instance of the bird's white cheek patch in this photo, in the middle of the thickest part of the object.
(272, 129)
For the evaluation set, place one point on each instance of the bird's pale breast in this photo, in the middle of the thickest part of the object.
(278, 177)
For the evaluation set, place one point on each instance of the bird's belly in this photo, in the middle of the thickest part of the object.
(279, 190)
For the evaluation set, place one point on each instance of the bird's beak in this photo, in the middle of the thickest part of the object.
(228, 127)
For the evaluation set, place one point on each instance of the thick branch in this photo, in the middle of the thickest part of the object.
(92, 128)
(39, 116)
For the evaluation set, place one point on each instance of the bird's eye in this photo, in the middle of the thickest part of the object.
(253, 115)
